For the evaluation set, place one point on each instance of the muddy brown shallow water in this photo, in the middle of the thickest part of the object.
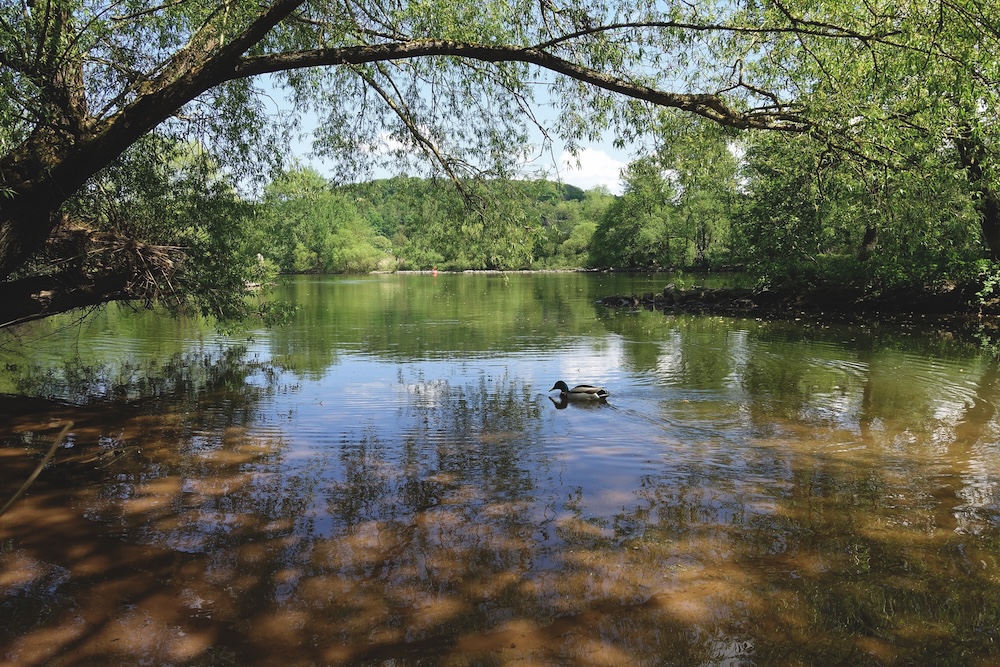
(385, 481)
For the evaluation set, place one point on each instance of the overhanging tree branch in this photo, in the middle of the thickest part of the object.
(709, 106)
(796, 26)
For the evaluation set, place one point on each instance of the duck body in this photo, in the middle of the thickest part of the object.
(584, 392)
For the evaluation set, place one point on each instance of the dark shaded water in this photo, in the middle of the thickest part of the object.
(385, 481)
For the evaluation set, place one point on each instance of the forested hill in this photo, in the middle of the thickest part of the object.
(407, 223)
(399, 200)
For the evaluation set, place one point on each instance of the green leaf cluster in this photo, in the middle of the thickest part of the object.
(676, 209)
(304, 226)
(176, 198)
(809, 214)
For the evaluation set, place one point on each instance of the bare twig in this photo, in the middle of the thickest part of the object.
(38, 469)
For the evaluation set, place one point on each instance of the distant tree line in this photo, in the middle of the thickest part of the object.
(783, 208)
(308, 225)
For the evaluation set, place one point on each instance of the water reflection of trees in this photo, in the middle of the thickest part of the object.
(819, 525)
(185, 375)
(864, 485)
(140, 440)
(803, 555)
(420, 317)
(467, 444)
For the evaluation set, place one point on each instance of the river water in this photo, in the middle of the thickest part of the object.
(386, 480)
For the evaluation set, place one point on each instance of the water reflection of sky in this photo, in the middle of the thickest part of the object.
(743, 476)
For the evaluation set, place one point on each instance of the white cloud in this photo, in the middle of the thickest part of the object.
(386, 144)
(590, 168)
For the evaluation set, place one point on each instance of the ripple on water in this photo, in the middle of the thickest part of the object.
(786, 479)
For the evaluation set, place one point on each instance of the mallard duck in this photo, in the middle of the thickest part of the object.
(581, 391)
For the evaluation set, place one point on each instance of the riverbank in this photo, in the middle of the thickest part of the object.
(952, 307)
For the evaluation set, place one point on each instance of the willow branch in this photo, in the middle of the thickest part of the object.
(398, 107)
(797, 27)
(709, 106)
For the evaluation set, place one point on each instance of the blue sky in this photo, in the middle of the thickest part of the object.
(597, 164)
(594, 165)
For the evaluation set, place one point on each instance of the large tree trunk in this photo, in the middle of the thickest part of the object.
(89, 268)
(69, 146)
(972, 153)
(41, 296)
(869, 242)
(36, 181)
(989, 221)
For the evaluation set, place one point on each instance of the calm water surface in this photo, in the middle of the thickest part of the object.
(387, 481)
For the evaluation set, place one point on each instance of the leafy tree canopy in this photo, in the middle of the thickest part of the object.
(452, 84)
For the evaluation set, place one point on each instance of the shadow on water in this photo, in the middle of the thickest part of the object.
(744, 502)
(449, 548)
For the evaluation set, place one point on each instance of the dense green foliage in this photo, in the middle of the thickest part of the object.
(675, 212)
(407, 223)
(882, 167)
(809, 214)
(676, 208)
(175, 197)
(788, 209)
(307, 227)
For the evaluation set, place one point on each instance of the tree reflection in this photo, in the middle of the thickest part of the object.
(803, 504)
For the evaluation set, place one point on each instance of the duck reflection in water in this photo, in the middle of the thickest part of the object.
(561, 403)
